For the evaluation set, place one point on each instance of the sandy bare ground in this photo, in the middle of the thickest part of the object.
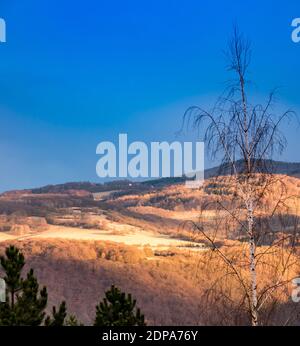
(6, 236)
(192, 215)
(136, 237)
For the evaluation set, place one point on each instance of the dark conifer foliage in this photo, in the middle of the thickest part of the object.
(25, 302)
(118, 309)
(58, 317)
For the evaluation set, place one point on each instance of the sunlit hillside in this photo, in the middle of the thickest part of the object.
(142, 238)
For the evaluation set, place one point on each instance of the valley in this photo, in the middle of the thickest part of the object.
(142, 238)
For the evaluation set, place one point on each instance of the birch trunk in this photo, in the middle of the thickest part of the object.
(253, 278)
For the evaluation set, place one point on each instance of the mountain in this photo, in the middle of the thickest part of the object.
(291, 169)
(81, 237)
(277, 167)
(86, 186)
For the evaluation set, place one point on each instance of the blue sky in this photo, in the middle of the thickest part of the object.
(73, 74)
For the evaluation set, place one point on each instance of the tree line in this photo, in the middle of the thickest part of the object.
(26, 303)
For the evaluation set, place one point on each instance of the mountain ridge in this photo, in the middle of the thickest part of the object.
(277, 167)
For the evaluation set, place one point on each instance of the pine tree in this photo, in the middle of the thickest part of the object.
(118, 309)
(31, 304)
(58, 317)
(72, 321)
(13, 264)
(25, 303)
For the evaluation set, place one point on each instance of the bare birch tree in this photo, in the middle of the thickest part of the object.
(245, 136)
